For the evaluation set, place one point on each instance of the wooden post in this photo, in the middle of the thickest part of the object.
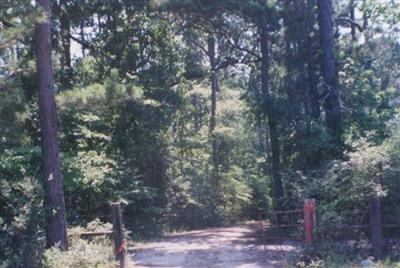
(309, 215)
(375, 221)
(118, 234)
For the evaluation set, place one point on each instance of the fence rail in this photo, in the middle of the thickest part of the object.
(304, 218)
(374, 228)
(117, 233)
(98, 233)
(286, 225)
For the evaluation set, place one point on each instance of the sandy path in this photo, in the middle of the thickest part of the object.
(228, 247)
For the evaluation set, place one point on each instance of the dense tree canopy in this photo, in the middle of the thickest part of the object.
(197, 113)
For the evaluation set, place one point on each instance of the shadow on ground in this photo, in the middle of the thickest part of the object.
(230, 247)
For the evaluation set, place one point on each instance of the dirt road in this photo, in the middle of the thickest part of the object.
(228, 247)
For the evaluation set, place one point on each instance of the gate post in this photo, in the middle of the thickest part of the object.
(309, 215)
(118, 234)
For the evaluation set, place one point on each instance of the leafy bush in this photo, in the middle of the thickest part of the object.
(21, 214)
(81, 254)
(334, 254)
(96, 252)
(343, 187)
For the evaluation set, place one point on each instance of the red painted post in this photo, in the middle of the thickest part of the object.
(309, 213)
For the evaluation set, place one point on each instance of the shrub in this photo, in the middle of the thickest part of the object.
(81, 254)
(21, 211)
(95, 252)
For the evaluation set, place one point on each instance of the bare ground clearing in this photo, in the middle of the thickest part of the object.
(230, 247)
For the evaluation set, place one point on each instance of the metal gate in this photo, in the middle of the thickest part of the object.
(293, 224)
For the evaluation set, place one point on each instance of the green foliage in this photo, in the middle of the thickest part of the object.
(240, 189)
(96, 252)
(21, 214)
(81, 254)
(347, 185)
(327, 254)
(109, 132)
(12, 116)
(134, 120)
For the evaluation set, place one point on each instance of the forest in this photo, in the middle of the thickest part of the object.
(198, 114)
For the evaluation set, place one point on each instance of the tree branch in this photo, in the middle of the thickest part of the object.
(237, 46)
(350, 21)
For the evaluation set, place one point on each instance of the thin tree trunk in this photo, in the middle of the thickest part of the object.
(214, 81)
(354, 48)
(277, 187)
(377, 240)
(214, 89)
(311, 62)
(66, 44)
(352, 17)
(56, 225)
(365, 21)
(65, 34)
(332, 99)
(293, 62)
(82, 34)
(195, 99)
(260, 127)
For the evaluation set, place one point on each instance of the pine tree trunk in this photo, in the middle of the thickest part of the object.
(353, 18)
(66, 44)
(332, 99)
(277, 187)
(214, 81)
(65, 34)
(214, 89)
(311, 63)
(56, 225)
